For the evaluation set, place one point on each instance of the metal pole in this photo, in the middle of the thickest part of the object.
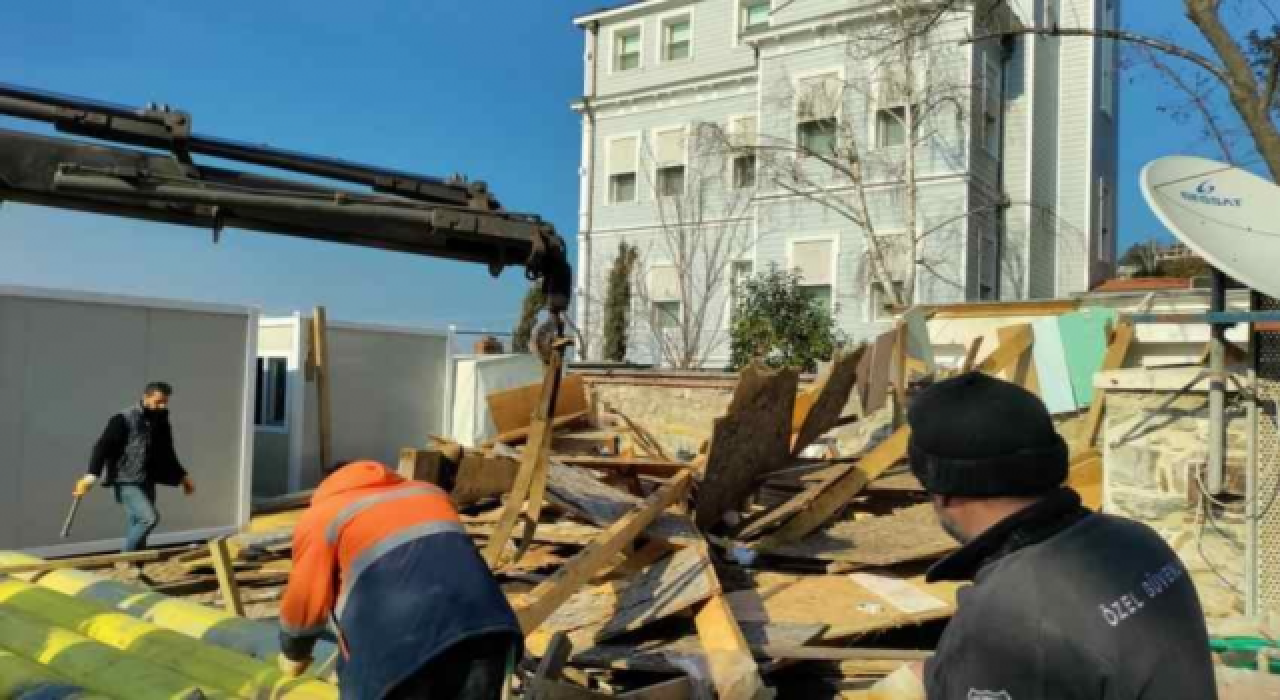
(1217, 387)
(1251, 497)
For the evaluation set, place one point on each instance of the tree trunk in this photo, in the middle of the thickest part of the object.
(1253, 107)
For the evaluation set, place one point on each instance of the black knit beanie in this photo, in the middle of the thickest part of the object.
(978, 436)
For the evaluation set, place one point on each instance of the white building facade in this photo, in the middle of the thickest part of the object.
(706, 130)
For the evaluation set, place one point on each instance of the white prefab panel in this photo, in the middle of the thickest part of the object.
(68, 365)
(270, 463)
(388, 392)
(478, 377)
(13, 359)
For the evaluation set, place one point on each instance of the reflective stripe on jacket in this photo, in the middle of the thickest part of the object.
(359, 513)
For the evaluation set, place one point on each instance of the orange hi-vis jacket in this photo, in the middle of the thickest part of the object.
(389, 559)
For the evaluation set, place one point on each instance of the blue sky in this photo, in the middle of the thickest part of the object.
(480, 88)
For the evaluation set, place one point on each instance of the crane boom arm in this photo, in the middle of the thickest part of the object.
(438, 217)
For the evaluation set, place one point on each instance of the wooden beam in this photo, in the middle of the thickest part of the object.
(822, 502)
(1023, 370)
(1117, 351)
(226, 576)
(542, 601)
(640, 465)
(674, 689)
(515, 437)
(971, 356)
(733, 669)
(531, 481)
(420, 465)
(513, 409)
(808, 653)
(550, 666)
(1002, 309)
(89, 562)
(320, 354)
(1015, 343)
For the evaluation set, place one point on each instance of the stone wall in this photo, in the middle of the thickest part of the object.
(676, 407)
(1155, 457)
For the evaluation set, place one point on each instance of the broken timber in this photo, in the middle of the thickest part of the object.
(552, 593)
(531, 481)
(750, 439)
(732, 668)
(828, 399)
(1117, 350)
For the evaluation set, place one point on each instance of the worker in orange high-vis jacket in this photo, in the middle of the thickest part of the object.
(418, 614)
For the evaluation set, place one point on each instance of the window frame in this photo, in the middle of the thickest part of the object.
(636, 26)
(664, 22)
(610, 143)
(653, 300)
(797, 86)
(740, 20)
(876, 312)
(729, 287)
(834, 240)
(262, 374)
(655, 165)
(734, 155)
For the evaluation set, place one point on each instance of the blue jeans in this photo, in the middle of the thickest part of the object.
(139, 501)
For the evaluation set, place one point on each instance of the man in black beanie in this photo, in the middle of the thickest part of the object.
(1065, 603)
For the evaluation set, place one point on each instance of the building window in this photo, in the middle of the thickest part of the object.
(664, 297)
(881, 304)
(742, 139)
(813, 260)
(669, 162)
(891, 126)
(754, 15)
(739, 272)
(817, 114)
(744, 170)
(677, 38)
(622, 170)
(271, 393)
(991, 106)
(626, 49)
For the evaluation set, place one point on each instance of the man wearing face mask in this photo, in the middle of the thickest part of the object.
(134, 454)
(1065, 602)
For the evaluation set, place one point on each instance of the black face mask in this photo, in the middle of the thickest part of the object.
(155, 412)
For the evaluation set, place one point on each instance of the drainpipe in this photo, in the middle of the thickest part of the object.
(1002, 207)
(586, 186)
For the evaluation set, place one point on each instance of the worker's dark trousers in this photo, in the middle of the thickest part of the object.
(473, 669)
(139, 501)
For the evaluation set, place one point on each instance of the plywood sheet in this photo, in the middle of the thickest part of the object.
(752, 437)
(1051, 367)
(910, 534)
(1084, 339)
(828, 400)
(674, 656)
(848, 608)
(512, 409)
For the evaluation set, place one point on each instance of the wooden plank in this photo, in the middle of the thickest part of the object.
(551, 665)
(587, 442)
(810, 510)
(531, 481)
(1023, 370)
(226, 576)
(753, 437)
(827, 400)
(553, 592)
(96, 561)
(911, 534)
(971, 355)
(547, 689)
(1003, 309)
(674, 689)
(481, 476)
(324, 384)
(784, 599)
(513, 409)
(519, 435)
(873, 373)
(1013, 346)
(640, 465)
(560, 533)
(1117, 351)
(420, 465)
(643, 438)
(812, 653)
(731, 666)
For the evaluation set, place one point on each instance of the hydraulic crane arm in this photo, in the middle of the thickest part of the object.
(446, 218)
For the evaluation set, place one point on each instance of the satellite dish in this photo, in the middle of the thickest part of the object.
(1226, 215)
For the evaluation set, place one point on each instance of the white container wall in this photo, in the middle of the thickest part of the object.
(390, 390)
(69, 361)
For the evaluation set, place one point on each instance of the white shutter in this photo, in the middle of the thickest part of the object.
(742, 132)
(664, 283)
(813, 260)
(891, 88)
(820, 96)
(622, 156)
(668, 147)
